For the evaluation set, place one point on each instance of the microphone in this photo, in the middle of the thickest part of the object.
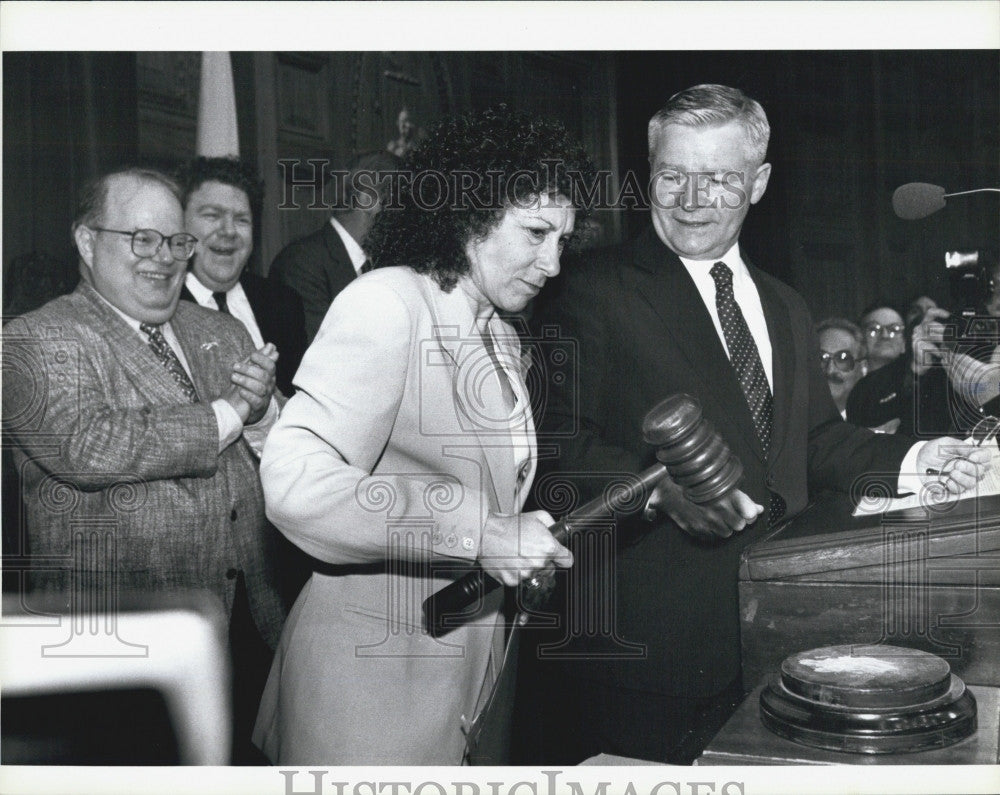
(919, 199)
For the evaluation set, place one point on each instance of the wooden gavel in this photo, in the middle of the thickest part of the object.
(687, 447)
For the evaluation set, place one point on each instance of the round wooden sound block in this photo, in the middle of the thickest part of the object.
(874, 677)
(868, 699)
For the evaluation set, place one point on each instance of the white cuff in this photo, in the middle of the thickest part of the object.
(909, 479)
(256, 434)
(230, 424)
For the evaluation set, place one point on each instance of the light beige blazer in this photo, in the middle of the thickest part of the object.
(384, 465)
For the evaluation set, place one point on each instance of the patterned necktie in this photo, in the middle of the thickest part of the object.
(161, 348)
(743, 354)
(221, 302)
(366, 266)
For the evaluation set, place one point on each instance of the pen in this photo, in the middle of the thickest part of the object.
(990, 434)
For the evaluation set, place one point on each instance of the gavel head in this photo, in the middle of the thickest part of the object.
(694, 454)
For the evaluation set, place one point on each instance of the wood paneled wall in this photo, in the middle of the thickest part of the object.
(847, 128)
(329, 107)
(334, 106)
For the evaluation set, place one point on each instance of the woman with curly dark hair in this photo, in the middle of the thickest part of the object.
(406, 455)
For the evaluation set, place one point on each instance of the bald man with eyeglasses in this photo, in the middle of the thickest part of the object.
(137, 421)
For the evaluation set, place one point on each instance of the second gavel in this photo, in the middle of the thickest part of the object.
(687, 447)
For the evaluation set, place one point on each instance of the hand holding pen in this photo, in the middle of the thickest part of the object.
(956, 465)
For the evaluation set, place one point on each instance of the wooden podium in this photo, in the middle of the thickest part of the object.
(922, 578)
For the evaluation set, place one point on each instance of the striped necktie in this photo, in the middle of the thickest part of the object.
(162, 350)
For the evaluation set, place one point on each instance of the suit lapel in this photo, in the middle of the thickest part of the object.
(475, 389)
(199, 339)
(256, 289)
(664, 283)
(339, 258)
(151, 379)
(779, 330)
(508, 350)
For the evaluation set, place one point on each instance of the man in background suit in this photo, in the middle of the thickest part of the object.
(842, 355)
(136, 420)
(221, 195)
(319, 265)
(680, 309)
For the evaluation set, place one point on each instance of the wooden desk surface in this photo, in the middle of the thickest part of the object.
(826, 538)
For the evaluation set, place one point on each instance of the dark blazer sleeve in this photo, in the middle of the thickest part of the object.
(317, 267)
(575, 405)
(281, 319)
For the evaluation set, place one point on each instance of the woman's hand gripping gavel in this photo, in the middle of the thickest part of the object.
(695, 461)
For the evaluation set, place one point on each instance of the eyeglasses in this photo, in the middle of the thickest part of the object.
(147, 242)
(842, 360)
(986, 430)
(874, 330)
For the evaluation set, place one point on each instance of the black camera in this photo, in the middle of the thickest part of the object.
(975, 300)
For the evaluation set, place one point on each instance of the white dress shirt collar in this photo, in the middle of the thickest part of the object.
(745, 292)
(236, 301)
(732, 258)
(202, 295)
(354, 250)
(165, 328)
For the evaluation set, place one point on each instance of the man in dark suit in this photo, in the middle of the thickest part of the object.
(220, 196)
(320, 265)
(646, 663)
(137, 420)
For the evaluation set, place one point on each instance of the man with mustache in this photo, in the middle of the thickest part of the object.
(842, 357)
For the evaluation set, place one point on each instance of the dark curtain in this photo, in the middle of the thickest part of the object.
(847, 128)
(67, 118)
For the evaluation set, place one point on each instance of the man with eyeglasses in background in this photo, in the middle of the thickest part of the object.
(938, 386)
(883, 399)
(139, 417)
(884, 332)
(842, 357)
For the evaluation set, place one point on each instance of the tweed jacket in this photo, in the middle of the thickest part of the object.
(122, 477)
(278, 311)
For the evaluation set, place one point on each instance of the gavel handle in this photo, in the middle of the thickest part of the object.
(445, 609)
